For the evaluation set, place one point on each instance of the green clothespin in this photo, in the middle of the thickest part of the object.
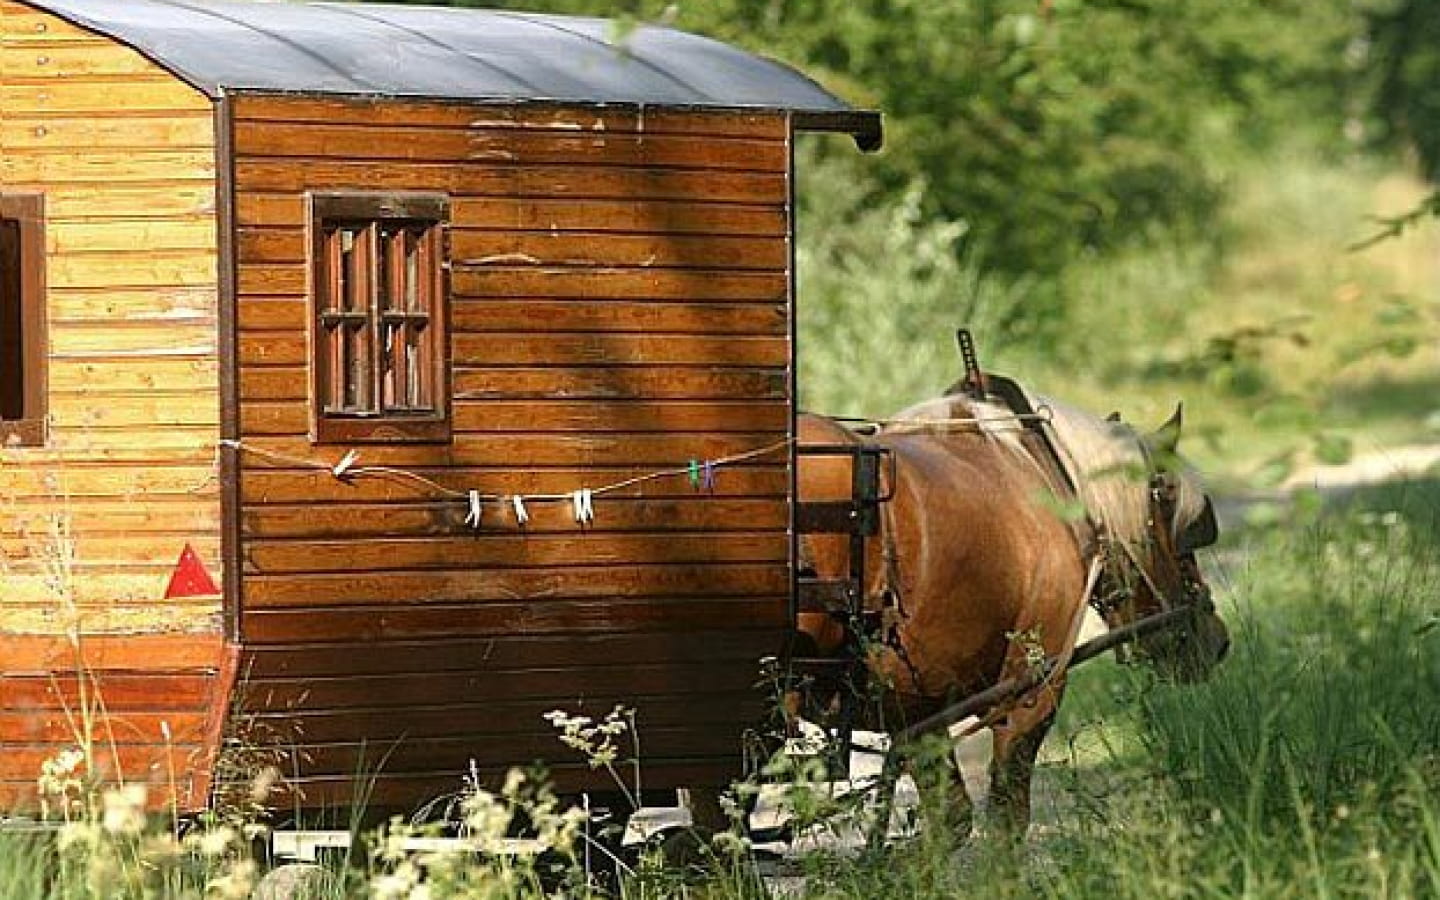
(695, 474)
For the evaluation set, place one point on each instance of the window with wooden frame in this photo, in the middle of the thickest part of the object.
(22, 320)
(379, 306)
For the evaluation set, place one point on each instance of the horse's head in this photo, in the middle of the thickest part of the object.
(1154, 516)
(1181, 521)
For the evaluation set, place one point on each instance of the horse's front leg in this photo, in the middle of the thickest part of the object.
(1017, 741)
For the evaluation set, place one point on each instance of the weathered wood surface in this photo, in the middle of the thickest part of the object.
(124, 155)
(620, 304)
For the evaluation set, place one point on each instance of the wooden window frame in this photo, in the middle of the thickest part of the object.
(388, 318)
(29, 429)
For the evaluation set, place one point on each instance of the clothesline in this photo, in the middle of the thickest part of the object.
(701, 474)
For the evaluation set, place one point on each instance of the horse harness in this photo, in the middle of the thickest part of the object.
(883, 610)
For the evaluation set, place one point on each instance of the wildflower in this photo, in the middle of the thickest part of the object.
(402, 884)
(487, 817)
(77, 835)
(235, 884)
(731, 843)
(124, 810)
(263, 783)
(61, 776)
(215, 842)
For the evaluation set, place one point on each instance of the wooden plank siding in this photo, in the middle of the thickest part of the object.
(620, 288)
(92, 524)
(146, 707)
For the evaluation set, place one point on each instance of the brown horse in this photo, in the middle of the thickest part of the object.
(986, 561)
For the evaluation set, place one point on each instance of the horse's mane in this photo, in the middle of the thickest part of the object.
(1110, 465)
(1106, 460)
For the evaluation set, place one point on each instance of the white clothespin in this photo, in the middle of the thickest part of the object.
(477, 511)
(521, 516)
(346, 461)
(584, 507)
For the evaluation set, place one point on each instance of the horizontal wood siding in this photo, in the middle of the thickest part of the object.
(92, 525)
(124, 154)
(621, 305)
(145, 705)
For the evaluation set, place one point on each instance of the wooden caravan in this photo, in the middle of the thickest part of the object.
(374, 379)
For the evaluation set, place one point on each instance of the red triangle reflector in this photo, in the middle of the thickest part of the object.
(190, 578)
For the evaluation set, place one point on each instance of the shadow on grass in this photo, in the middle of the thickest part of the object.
(1386, 398)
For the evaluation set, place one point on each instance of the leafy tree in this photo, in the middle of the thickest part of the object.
(1405, 46)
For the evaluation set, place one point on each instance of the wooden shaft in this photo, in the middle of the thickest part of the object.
(1010, 687)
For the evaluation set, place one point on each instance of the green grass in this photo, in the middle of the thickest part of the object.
(1311, 761)
(1309, 765)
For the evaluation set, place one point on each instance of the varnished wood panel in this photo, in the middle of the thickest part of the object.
(379, 792)
(543, 586)
(534, 280)
(576, 249)
(461, 655)
(124, 155)
(673, 515)
(285, 348)
(428, 720)
(620, 305)
(588, 416)
(509, 145)
(498, 620)
(599, 183)
(493, 552)
(657, 382)
(263, 486)
(566, 120)
(139, 702)
(54, 729)
(404, 690)
(40, 654)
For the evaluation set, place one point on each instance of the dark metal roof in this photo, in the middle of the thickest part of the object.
(471, 54)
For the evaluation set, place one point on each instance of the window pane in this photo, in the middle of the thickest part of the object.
(383, 280)
(351, 273)
(12, 338)
(415, 378)
(391, 373)
(412, 269)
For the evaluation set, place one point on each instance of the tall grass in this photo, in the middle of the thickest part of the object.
(1308, 766)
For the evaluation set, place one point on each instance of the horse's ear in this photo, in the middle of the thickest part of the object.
(1166, 438)
(1114, 417)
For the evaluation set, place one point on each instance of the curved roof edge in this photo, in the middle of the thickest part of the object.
(373, 49)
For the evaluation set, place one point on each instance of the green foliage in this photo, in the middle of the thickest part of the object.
(885, 288)
(1405, 37)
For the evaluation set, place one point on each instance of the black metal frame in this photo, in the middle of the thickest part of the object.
(844, 598)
